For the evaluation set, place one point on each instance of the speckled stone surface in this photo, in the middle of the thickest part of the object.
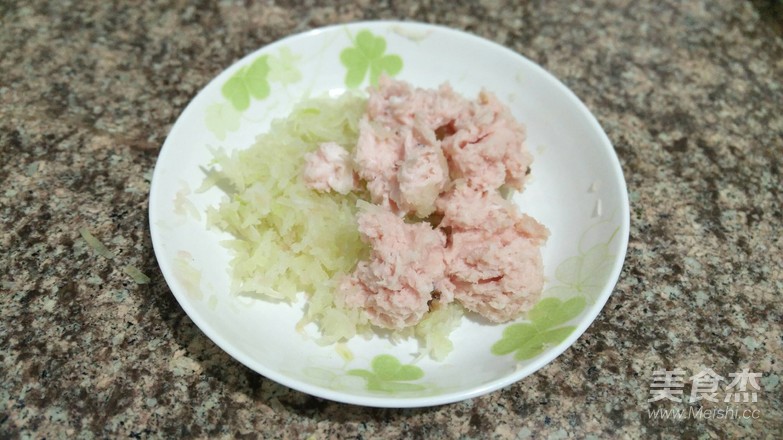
(690, 93)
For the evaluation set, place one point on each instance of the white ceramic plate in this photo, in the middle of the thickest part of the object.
(577, 190)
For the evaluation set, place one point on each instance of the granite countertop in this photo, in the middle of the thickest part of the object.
(690, 93)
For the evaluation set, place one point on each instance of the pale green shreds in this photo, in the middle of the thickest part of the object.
(435, 328)
(95, 244)
(289, 238)
(136, 274)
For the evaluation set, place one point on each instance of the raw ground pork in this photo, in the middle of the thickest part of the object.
(437, 160)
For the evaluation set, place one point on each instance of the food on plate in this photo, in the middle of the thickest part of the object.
(494, 257)
(287, 238)
(329, 168)
(389, 211)
(394, 285)
(431, 152)
(413, 142)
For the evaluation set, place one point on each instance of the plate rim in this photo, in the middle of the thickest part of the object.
(395, 401)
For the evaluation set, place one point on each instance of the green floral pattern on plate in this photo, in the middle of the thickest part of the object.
(222, 118)
(368, 54)
(248, 81)
(388, 374)
(365, 58)
(282, 67)
(581, 278)
(253, 81)
(585, 273)
(529, 339)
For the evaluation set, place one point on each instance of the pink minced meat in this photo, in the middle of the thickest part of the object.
(413, 142)
(398, 152)
(329, 168)
(464, 207)
(432, 154)
(493, 258)
(487, 146)
(421, 178)
(395, 284)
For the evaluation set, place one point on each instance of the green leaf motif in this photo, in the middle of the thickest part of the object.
(584, 274)
(368, 54)
(551, 312)
(249, 81)
(282, 68)
(529, 339)
(390, 375)
(222, 118)
(387, 367)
